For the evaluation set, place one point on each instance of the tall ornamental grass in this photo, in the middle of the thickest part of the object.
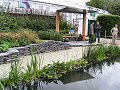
(19, 38)
(101, 52)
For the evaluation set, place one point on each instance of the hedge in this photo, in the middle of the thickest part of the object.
(33, 22)
(107, 22)
(50, 35)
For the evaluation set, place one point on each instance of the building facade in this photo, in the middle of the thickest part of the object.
(78, 18)
(49, 9)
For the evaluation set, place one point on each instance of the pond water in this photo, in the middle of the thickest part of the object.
(103, 76)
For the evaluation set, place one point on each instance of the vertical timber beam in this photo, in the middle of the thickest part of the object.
(84, 25)
(57, 21)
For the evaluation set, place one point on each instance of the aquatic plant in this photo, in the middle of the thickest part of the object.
(101, 52)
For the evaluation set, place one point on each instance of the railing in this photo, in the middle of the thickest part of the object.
(27, 11)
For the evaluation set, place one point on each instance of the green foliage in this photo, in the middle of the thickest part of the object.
(35, 23)
(4, 46)
(27, 76)
(66, 31)
(32, 71)
(2, 86)
(57, 37)
(107, 22)
(7, 23)
(112, 51)
(115, 7)
(14, 75)
(97, 3)
(99, 53)
(55, 71)
(50, 35)
(19, 38)
(111, 6)
(93, 38)
(13, 79)
(13, 23)
(95, 54)
(64, 27)
(42, 24)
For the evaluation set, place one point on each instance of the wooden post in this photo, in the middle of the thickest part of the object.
(57, 21)
(84, 26)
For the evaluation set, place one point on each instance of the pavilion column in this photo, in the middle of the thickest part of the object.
(84, 26)
(57, 21)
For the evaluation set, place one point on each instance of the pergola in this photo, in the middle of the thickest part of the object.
(73, 9)
(69, 7)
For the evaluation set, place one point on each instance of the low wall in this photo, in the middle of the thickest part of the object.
(14, 53)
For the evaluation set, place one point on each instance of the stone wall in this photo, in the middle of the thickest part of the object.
(14, 53)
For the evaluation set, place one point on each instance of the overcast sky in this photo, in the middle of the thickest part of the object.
(79, 1)
(61, 1)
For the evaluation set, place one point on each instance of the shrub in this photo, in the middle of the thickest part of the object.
(36, 23)
(107, 22)
(64, 31)
(99, 53)
(13, 23)
(4, 46)
(19, 38)
(28, 34)
(64, 27)
(8, 23)
(50, 35)
(57, 37)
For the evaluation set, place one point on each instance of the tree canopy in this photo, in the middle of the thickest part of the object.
(113, 6)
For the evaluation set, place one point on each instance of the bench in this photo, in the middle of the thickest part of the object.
(71, 38)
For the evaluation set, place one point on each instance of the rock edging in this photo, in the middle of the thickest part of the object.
(14, 53)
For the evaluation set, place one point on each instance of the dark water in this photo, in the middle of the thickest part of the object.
(104, 76)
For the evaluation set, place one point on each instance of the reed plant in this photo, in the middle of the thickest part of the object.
(101, 52)
(32, 70)
(13, 79)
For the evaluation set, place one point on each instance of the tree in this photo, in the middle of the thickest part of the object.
(113, 6)
(97, 3)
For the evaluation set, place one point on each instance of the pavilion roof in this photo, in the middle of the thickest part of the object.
(69, 7)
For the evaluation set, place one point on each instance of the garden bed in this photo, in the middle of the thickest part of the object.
(14, 53)
(55, 71)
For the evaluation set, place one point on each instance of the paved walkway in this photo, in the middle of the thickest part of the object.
(109, 41)
(86, 43)
(47, 58)
(78, 43)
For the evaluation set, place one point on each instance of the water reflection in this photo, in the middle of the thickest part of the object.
(101, 76)
(101, 66)
(75, 76)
